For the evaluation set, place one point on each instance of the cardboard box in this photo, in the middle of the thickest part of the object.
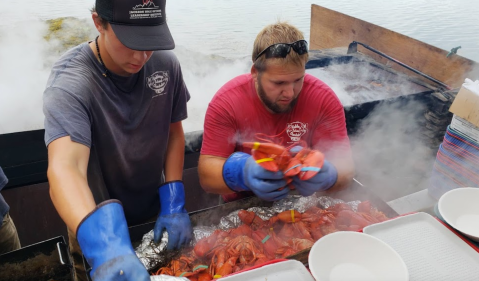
(466, 112)
(466, 106)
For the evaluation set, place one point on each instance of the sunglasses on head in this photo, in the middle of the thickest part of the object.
(281, 50)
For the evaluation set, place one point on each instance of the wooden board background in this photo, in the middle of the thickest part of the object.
(331, 29)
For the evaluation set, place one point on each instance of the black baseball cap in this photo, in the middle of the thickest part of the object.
(138, 24)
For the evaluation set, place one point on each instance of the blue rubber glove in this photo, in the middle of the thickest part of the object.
(173, 216)
(242, 173)
(323, 180)
(105, 242)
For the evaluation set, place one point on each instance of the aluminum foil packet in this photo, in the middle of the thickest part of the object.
(150, 253)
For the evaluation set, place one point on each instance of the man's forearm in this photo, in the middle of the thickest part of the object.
(344, 180)
(175, 153)
(67, 177)
(70, 195)
(210, 170)
(345, 170)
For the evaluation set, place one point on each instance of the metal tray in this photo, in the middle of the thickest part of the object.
(31, 256)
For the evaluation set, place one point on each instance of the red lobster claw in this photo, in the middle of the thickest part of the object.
(293, 168)
(312, 162)
(272, 157)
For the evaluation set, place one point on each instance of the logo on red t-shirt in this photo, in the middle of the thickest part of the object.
(296, 129)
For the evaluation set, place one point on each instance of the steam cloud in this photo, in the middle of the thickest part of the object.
(359, 82)
(26, 58)
(391, 158)
(24, 74)
(204, 75)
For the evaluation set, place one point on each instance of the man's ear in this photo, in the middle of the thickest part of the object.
(96, 21)
(254, 72)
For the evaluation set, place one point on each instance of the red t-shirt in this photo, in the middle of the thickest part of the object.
(236, 114)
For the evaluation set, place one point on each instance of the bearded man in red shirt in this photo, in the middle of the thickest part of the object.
(276, 99)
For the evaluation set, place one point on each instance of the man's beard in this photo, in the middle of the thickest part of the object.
(273, 106)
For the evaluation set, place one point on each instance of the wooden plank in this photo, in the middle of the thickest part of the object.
(331, 29)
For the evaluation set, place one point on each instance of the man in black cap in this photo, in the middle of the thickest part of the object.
(113, 110)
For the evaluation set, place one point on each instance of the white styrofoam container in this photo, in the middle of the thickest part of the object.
(430, 250)
(460, 209)
(290, 270)
(352, 255)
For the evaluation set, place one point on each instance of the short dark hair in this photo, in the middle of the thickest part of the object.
(103, 22)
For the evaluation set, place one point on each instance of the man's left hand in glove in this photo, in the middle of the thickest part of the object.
(173, 216)
(323, 180)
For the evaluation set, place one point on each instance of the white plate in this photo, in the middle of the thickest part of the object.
(460, 209)
(350, 255)
(430, 250)
(291, 270)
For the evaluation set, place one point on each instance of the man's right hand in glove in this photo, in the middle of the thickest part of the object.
(242, 173)
(105, 242)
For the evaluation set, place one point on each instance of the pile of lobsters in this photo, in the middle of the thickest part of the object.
(257, 241)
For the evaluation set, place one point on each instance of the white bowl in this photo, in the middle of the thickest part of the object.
(355, 256)
(460, 209)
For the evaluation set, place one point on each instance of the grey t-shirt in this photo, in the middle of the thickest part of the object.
(124, 121)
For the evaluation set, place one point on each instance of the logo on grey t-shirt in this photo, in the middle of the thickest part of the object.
(158, 81)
